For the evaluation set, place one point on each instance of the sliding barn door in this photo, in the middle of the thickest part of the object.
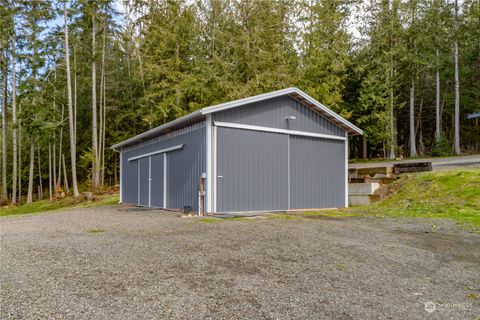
(252, 170)
(317, 173)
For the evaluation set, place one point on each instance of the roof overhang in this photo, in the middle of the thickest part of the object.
(474, 115)
(295, 93)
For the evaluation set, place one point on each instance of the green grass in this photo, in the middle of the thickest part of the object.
(333, 213)
(210, 220)
(451, 194)
(95, 230)
(281, 216)
(46, 205)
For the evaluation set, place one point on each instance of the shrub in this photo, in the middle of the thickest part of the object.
(442, 147)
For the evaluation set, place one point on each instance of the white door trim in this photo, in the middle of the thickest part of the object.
(276, 130)
(178, 147)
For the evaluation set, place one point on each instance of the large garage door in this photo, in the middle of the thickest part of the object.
(252, 170)
(317, 173)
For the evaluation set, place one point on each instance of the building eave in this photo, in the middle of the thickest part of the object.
(293, 92)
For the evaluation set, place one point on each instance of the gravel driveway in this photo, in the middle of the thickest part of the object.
(119, 263)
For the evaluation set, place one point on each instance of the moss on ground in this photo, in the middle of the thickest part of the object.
(453, 194)
(95, 230)
(68, 202)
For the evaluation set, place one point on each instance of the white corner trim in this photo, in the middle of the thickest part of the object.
(209, 181)
(214, 168)
(275, 130)
(149, 181)
(288, 174)
(165, 180)
(346, 170)
(180, 146)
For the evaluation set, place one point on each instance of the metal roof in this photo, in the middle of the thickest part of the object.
(473, 115)
(293, 92)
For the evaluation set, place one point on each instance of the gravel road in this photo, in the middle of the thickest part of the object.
(469, 161)
(119, 263)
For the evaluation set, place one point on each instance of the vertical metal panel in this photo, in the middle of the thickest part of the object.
(156, 174)
(129, 183)
(184, 168)
(252, 170)
(273, 113)
(143, 180)
(183, 175)
(317, 171)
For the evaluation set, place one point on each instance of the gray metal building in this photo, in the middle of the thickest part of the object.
(276, 151)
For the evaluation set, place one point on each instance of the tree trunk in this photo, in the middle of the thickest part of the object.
(54, 161)
(73, 151)
(413, 145)
(75, 93)
(40, 184)
(364, 148)
(30, 173)
(65, 178)
(102, 111)
(14, 122)
(391, 154)
(95, 166)
(457, 86)
(4, 135)
(50, 180)
(60, 152)
(437, 100)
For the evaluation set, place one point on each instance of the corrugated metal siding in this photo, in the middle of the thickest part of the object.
(272, 113)
(129, 181)
(317, 173)
(254, 166)
(183, 180)
(184, 168)
(157, 181)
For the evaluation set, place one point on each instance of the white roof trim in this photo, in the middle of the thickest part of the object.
(178, 147)
(157, 129)
(241, 102)
(274, 94)
(275, 130)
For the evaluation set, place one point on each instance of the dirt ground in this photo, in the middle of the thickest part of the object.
(120, 263)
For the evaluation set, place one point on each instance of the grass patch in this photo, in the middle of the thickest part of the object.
(95, 230)
(210, 220)
(451, 194)
(68, 202)
(281, 216)
(340, 267)
(329, 213)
